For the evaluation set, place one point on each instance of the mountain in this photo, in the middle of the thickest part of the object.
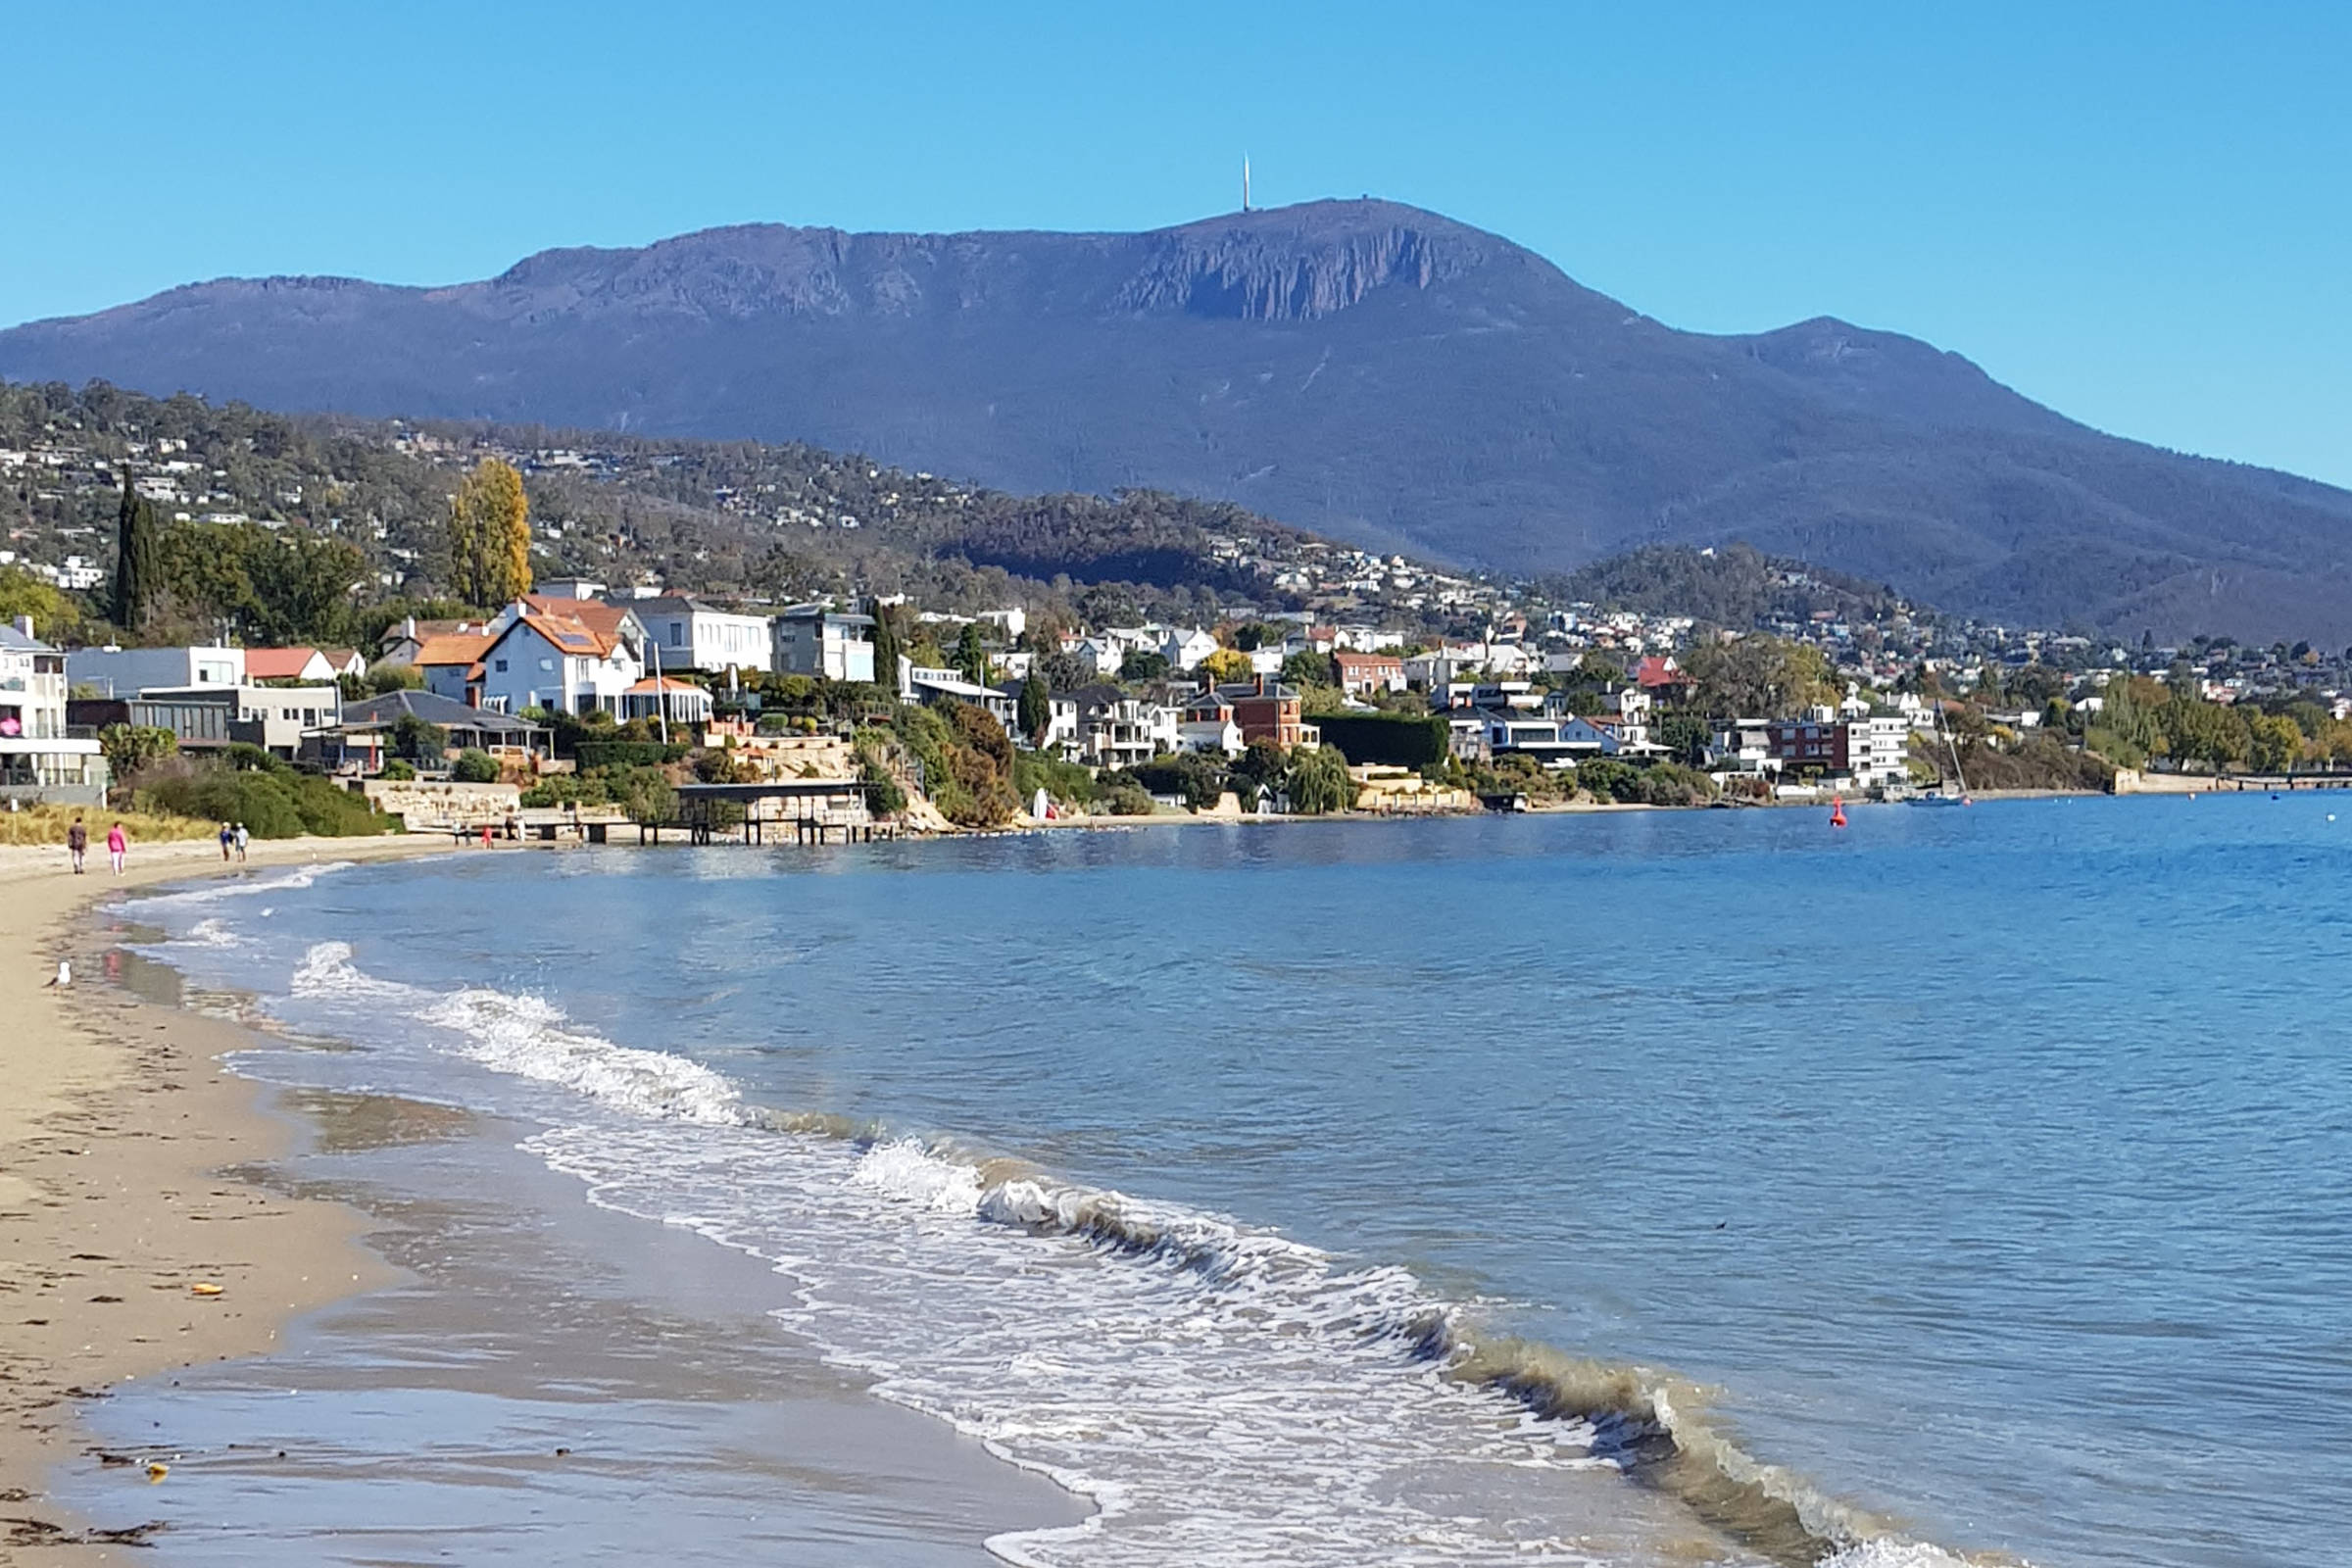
(1365, 369)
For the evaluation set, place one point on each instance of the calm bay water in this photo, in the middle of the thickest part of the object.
(1988, 1173)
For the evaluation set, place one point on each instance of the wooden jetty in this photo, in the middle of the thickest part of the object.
(814, 811)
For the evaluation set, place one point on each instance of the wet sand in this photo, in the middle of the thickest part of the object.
(395, 1369)
(113, 1124)
(545, 1381)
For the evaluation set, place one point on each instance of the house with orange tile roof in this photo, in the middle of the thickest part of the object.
(288, 664)
(446, 659)
(573, 656)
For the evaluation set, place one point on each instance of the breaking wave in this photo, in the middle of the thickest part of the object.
(245, 886)
(1221, 1393)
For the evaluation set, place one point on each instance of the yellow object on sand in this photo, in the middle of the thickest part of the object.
(156, 1471)
(203, 1289)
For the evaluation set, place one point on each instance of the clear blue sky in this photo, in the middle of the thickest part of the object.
(2139, 214)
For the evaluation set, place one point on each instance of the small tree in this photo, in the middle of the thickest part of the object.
(972, 656)
(1143, 664)
(1226, 665)
(1036, 711)
(131, 750)
(474, 766)
(419, 741)
(1319, 782)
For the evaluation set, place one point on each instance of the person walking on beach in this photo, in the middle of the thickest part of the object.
(229, 837)
(118, 844)
(77, 843)
(243, 838)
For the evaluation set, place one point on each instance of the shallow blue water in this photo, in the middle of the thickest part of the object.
(1995, 1166)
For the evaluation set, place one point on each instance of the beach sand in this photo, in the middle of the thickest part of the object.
(112, 1124)
(396, 1367)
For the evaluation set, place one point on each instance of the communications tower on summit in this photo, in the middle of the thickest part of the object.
(1245, 182)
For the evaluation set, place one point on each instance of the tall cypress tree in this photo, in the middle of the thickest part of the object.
(1036, 712)
(886, 646)
(137, 558)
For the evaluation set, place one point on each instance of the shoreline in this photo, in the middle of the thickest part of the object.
(116, 1119)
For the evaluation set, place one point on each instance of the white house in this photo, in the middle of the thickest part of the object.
(1100, 655)
(128, 672)
(38, 759)
(922, 683)
(1185, 647)
(694, 635)
(1117, 730)
(1062, 719)
(1206, 724)
(573, 656)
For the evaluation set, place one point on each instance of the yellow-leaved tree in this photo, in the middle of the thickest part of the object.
(490, 536)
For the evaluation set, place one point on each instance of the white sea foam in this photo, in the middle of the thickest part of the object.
(1223, 1395)
(211, 932)
(245, 886)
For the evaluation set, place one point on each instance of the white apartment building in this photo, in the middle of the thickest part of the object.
(39, 758)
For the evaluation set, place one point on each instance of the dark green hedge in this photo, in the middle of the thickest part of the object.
(1398, 740)
(628, 754)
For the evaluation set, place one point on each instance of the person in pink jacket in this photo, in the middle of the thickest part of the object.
(118, 843)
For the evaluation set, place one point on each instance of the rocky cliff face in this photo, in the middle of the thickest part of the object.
(1364, 368)
(1299, 272)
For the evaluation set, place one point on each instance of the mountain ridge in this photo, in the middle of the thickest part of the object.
(1364, 368)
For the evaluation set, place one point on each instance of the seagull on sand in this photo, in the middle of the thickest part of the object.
(64, 975)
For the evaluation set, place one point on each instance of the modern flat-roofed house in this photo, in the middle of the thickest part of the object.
(572, 655)
(934, 687)
(41, 757)
(128, 672)
(694, 635)
(818, 640)
(214, 717)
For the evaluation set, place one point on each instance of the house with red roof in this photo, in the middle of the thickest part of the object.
(1661, 675)
(572, 655)
(288, 664)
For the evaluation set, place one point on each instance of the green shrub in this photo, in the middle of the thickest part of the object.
(400, 769)
(273, 802)
(474, 766)
(1067, 782)
(628, 754)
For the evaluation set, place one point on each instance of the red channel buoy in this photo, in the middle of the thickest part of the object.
(1838, 810)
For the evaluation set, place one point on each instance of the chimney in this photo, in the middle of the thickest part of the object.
(24, 624)
(1261, 683)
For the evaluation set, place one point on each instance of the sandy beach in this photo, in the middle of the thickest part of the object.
(113, 1124)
